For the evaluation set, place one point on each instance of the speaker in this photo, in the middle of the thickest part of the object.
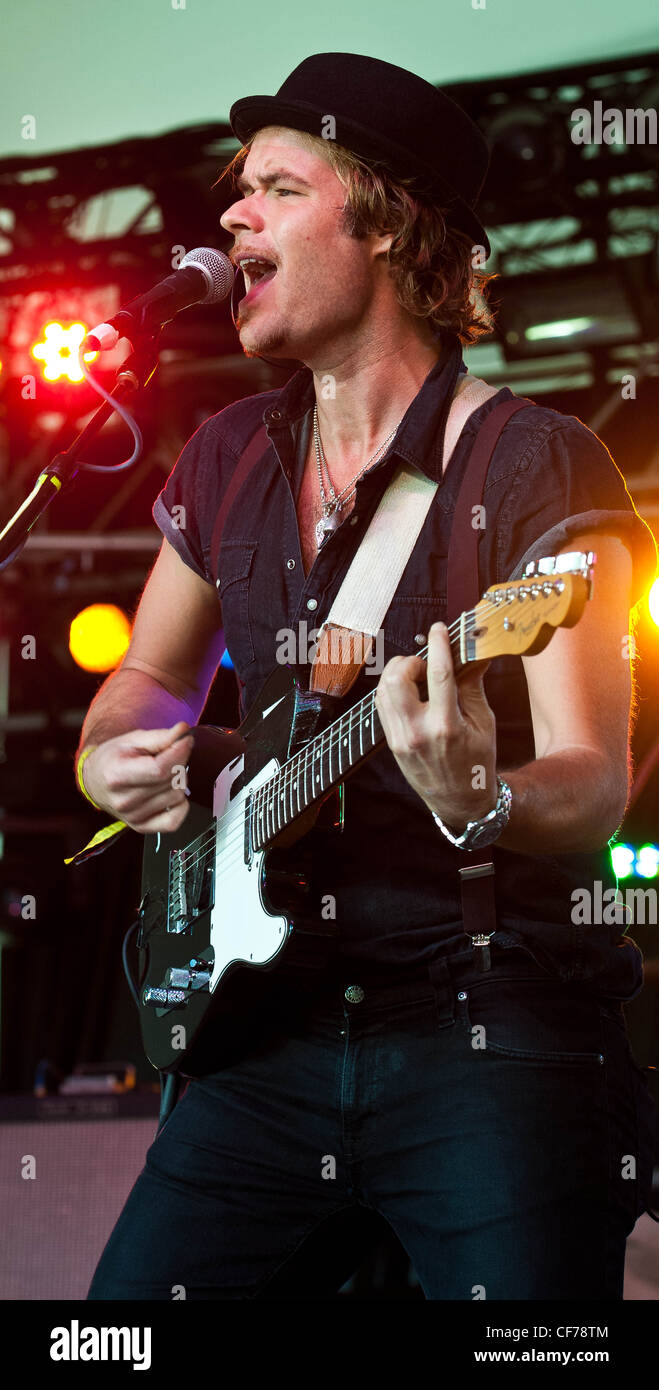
(67, 1166)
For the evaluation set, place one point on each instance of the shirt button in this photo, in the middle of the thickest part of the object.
(290, 564)
(353, 519)
(354, 994)
(312, 603)
(420, 639)
(275, 414)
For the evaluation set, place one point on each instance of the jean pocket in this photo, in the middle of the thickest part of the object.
(647, 1117)
(531, 1019)
(632, 1119)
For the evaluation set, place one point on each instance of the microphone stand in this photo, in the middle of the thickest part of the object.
(132, 376)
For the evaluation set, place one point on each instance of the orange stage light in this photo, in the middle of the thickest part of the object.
(653, 602)
(99, 636)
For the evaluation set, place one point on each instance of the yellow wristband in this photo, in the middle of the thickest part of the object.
(81, 783)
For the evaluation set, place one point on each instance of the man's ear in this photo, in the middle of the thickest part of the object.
(381, 243)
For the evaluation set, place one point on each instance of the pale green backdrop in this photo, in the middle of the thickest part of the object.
(95, 70)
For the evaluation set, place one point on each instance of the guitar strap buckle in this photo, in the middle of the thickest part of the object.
(479, 909)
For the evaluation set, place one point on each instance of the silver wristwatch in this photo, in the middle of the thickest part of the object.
(482, 832)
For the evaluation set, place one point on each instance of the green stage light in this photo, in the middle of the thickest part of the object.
(622, 859)
(647, 861)
(631, 862)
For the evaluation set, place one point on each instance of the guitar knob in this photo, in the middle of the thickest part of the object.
(187, 979)
(160, 998)
(178, 979)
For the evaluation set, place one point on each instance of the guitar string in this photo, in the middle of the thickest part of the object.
(284, 774)
(303, 753)
(237, 834)
(208, 838)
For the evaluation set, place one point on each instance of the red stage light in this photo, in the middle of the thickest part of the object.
(58, 351)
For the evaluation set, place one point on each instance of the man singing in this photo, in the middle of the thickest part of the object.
(378, 1075)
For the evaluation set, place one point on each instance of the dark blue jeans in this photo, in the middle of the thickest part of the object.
(497, 1122)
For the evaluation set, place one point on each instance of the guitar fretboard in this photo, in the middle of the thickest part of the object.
(311, 772)
(328, 757)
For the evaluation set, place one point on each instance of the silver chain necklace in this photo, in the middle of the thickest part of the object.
(333, 502)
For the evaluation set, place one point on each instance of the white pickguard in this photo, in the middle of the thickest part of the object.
(241, 929)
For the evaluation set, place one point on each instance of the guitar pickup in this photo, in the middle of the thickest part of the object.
(191, 889)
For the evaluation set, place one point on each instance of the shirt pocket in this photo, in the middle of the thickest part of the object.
(409, 618)
(235, 568)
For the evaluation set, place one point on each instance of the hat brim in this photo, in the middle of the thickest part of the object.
(250, 114)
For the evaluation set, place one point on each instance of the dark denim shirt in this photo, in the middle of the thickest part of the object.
(392, 873)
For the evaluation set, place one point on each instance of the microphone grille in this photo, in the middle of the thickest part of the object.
(217, 269)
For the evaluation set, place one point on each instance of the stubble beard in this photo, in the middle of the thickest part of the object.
(267, 342)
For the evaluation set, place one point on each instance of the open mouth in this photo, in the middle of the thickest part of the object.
(257, 273)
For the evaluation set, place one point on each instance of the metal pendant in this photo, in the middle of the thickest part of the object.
(325, 526)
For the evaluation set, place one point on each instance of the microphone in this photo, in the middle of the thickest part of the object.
(204, 277)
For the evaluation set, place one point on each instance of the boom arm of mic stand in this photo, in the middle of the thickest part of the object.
(132, 376)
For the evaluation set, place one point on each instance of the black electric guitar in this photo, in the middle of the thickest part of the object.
(214, 896)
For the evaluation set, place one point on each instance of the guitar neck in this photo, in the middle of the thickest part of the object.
(329, 757)
(514, 618)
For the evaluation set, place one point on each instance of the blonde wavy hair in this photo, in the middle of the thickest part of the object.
(431, 261)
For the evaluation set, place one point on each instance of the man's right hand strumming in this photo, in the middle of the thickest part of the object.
(176, 645)
(139, 777)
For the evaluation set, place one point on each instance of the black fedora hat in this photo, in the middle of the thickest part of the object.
(382, 112)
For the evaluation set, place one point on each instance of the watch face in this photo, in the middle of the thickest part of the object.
(486, 834)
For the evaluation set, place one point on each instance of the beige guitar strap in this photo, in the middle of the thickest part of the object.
(346, 637)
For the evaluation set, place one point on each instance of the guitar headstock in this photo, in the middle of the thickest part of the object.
(520, 617)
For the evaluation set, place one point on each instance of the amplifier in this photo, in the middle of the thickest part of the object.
(67, 1165)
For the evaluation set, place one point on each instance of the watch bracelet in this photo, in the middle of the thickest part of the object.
(503, 804)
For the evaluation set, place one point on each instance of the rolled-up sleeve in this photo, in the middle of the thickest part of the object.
(183, 509)
(571, 485)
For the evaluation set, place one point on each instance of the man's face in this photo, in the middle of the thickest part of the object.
(313, 303)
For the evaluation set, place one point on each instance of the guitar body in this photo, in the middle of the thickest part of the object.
(209, 905)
